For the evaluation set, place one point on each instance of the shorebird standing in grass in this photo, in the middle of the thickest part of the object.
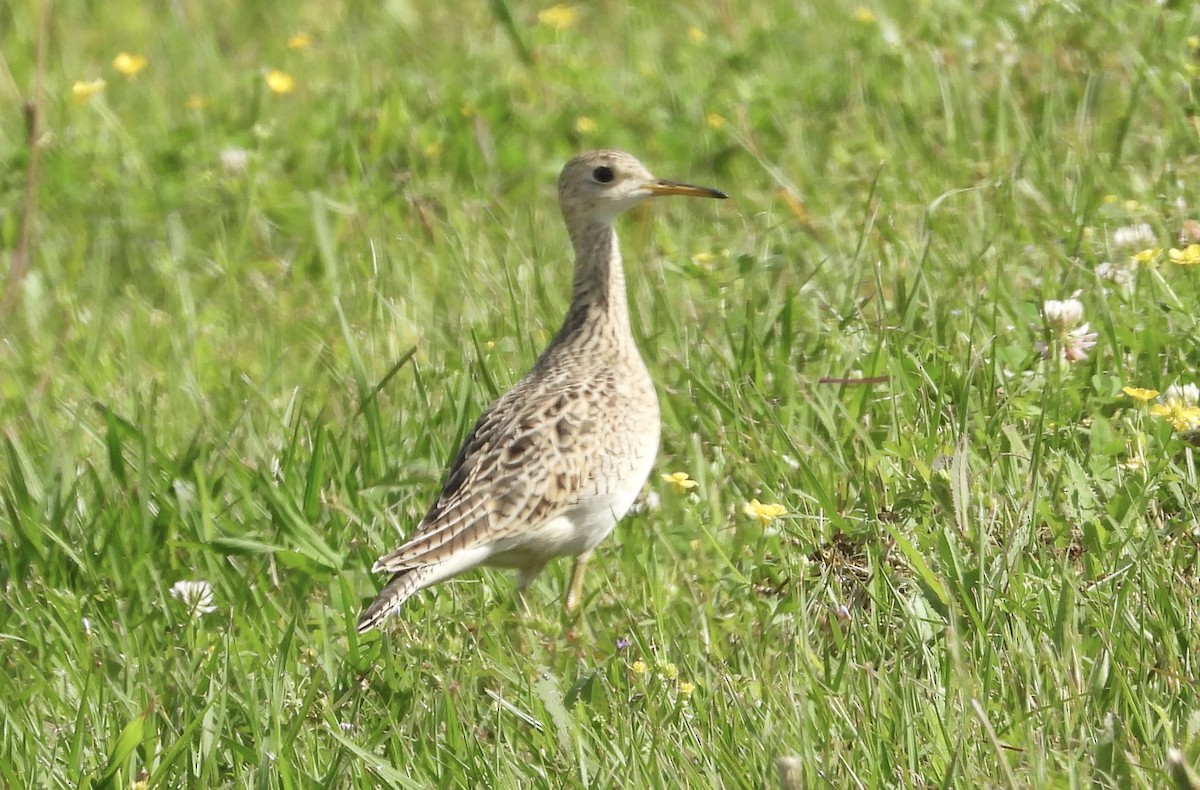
(552, 466)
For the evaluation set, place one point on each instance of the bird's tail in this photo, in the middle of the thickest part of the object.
(402, 586)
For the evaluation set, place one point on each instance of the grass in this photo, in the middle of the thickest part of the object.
(988, 572)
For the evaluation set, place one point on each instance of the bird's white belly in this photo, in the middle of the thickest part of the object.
(586, 523)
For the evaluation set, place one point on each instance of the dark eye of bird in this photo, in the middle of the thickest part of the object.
(603, 174)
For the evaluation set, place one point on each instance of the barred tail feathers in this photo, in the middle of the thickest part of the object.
(393, 595)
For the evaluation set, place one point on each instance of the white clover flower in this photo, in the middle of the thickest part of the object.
(1062, 315)
(1186, 394)
(197, 596)
(234, 160)
(1141, 235)
(1119, 275)
(1070, 340)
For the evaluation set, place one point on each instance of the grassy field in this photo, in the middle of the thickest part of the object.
(278, 268)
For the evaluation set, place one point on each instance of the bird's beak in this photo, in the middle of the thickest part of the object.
(661, 188)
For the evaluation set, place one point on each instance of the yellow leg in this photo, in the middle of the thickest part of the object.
(575, 590)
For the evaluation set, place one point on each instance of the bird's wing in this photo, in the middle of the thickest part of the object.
(526, 460)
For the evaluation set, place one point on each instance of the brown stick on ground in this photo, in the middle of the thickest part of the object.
(19, 265)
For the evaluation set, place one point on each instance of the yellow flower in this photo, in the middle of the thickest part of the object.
(299, 41)
(1181, 416)
(585, 125)
(1139, 394)
(1193, 42)
(864, 15)
(669, 670)
(638, 667)
(764, 513)
(129, 65)
(714, 120)
(1188, 256)
(196, 103)
(83, 91)
(1131, 205)
(680, 482)
(559, 17)
(280, 81)
(1110, 198)
(686, 688)
(696, 35)
(1148, 256)
(699, 258)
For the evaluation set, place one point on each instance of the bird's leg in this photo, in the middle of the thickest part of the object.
(525, 577)
(575, 590)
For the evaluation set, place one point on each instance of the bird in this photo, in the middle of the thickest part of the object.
(552, 466)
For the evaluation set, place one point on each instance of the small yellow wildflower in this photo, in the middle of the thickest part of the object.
(1188, 256)
(669, 670)
(84, 91)
(129, 65)
(196, 103)
(1193, 42)
(299, 41)
(765, 514)
(1181, 416)
(280, 81)
(559, 17)
(714, 120)
(864, 15)
(1110, 198)
(680, 482)
(584, 125)
(639, 667)
(1131, 205)
(696, 35)
(686, 688)
(1139, 394)
(1148, 256)
(702, 258)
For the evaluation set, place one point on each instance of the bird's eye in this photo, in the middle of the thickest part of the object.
(603, 174)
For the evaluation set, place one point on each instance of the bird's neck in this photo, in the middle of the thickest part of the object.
(599, 296)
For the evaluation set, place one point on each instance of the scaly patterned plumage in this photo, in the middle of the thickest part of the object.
(551, 467)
